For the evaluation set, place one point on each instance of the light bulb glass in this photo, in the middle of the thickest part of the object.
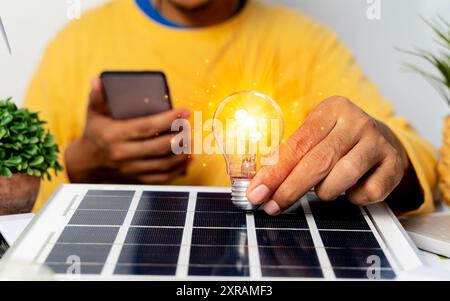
(248, 127)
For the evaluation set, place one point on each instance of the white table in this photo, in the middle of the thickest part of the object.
(11, 226)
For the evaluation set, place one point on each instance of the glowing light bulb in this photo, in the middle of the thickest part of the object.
(248, 127)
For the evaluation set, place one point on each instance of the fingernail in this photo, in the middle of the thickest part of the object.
(96, 82)
(272, 208)
(185, 114)
(259, 194)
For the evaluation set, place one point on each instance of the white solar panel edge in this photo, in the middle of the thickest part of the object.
(395, 237)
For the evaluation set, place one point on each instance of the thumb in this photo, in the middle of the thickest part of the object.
(97, 101)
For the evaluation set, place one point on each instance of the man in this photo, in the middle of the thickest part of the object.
(209, 49)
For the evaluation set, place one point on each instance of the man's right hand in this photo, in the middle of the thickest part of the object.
(124, 151)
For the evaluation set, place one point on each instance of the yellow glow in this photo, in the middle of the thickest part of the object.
(255, 136)
(241, 116)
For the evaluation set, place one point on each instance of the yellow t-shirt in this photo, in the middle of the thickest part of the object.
(267, 48)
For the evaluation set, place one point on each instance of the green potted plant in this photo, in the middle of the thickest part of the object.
(27, 153)
(441, 82)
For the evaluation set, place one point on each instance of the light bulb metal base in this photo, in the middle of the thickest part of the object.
(239, 194)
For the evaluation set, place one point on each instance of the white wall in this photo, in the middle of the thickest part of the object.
(31, 24)
(374, 42)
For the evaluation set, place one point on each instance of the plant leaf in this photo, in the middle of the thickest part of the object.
(440, 61)
(2, 132)
(6, 172)
(37, 161)
(14, 161)
(6, 120)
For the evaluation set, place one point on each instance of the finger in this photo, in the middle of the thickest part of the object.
(161, 178)
(376, 186)
(152, 165)
(349, 170)
(149, 126)
(313, 168)
(316, 127)
(97, 103)
(155, 147)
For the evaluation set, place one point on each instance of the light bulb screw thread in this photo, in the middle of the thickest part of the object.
(239, 194)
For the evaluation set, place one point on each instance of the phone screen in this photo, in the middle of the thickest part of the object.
(133, 94)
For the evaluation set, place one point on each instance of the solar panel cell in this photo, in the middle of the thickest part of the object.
(291, 238)
(364, 274)
(141, 269)
(288, 257)
(145, 236)
(219, 255)
(214, 195)
(105, 202)
(303, 272)
(217, 237)
(166, 194)
(293, 221)
(78, 234)
(64, 268)
(349, 239)
(162, 204)
(159, 218)
(86, 253)
(363, 258)
(338, 207)
(118, 193)
(98, 217)
(216, 205)
(219, 270)
(144, 254)
(341, 223)
(225, 220)
(338, 215)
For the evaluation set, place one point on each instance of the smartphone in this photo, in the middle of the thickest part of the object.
(132, 94)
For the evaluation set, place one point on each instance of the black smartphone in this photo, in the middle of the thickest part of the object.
(132, 94)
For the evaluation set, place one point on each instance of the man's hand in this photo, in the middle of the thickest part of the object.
(338, 149)
(128, 151)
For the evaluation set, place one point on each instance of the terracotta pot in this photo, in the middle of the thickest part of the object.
(444, 163)
(18, 194)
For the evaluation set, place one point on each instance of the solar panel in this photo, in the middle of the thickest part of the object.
(195, 232)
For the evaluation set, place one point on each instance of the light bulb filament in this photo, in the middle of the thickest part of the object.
(248, 166)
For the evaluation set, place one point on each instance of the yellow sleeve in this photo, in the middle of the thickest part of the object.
(49, 94)
(335, 72)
